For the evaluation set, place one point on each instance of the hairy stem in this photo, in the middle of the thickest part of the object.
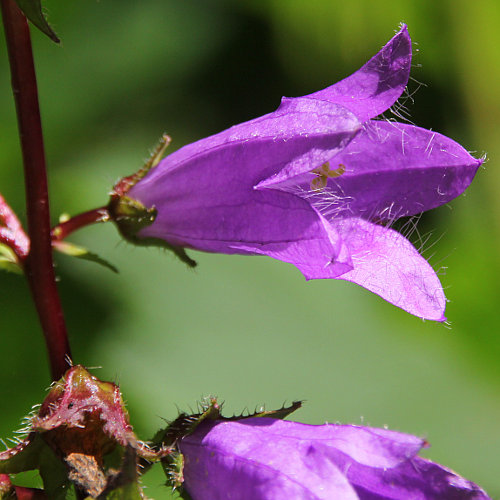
(39, 265)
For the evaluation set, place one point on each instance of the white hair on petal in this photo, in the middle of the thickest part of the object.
(328, 203)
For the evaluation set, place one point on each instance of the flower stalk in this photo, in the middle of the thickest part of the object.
(39, 264)
(68, 226)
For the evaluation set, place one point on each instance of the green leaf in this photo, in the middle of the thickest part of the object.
(33, 11)
(81, 253)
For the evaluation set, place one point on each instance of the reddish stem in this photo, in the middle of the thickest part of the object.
(64, 229)
(39, 265)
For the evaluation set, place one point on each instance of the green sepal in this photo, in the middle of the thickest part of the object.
(279, 414)
(184, 424)
(32, 9)
(179, 252)
(130, 216)
(123, 186)
(173, 466)
(8, 260)
(79, 252)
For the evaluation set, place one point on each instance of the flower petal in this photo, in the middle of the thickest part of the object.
(267, 459)
(273, 459)
(299, 130)
(204, 193)
(244, 462)
(322, 256)
(389, 170)
(386, 263)
(417, 478)
(377, 85)
(393, 170)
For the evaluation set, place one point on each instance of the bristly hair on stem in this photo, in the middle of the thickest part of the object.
(39, 264)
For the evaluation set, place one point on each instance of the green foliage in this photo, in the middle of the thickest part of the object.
(33, 11)
(67, 248)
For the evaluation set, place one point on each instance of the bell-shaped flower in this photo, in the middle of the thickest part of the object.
(316, 184)
(269, 459)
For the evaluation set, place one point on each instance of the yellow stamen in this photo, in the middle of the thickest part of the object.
(323, 173)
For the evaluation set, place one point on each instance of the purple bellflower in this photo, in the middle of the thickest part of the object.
(269, 459)
(317, 184)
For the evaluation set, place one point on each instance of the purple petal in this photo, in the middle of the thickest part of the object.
(267, 459)
(390, 170)
(204, 193)
(386, 263)
(393, 170)
(301, 132)
(418, 479)
(376, 86)
(313, 257)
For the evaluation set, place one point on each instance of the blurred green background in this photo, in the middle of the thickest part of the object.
(251, 330)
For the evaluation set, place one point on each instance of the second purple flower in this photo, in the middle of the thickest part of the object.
(267, 459)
